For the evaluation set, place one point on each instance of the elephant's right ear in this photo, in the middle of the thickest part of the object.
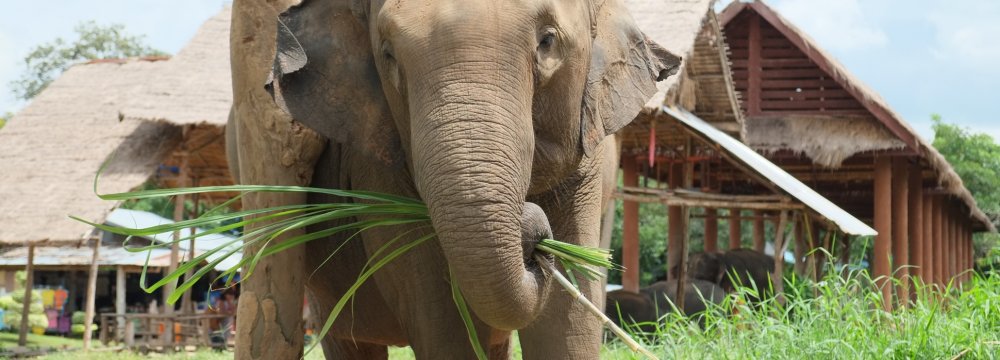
(324, 76)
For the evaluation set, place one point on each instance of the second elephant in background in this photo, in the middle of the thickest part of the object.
(733, 268)
(651, 303)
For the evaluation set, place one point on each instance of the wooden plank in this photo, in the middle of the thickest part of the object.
(675, 228)
(779, 258)
(900, 228)
(782, 53)
(630, 228)
(771, 105)
(814, 73)
(754, 80)
(800, 84)
(800, 246)
(807, 94)
(927, 270)
(939, 224)
(883, 224)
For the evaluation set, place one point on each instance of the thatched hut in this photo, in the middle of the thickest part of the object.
(147, 119)
(689, 130)
(817, 121)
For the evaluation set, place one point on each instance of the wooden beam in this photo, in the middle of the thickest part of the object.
(800, 246)
(675, 219)
(758, 232)
(883, 224)
(900, 228)
(735, 229)
(120, 297)
(711, 230)
(89, 304)
(630, 229)
(22, 333)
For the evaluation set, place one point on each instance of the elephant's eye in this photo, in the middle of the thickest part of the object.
(548, 55)
(548, 40)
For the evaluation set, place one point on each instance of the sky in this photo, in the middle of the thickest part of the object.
(922, 56)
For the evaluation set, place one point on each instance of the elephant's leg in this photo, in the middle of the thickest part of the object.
(565, 329)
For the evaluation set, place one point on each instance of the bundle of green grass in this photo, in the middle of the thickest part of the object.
(276, 221)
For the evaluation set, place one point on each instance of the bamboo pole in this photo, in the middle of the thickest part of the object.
(22, 333)
(88, 321)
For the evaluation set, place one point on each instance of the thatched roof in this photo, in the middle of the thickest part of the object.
(703, 84)
(53, 148)
(892, 122)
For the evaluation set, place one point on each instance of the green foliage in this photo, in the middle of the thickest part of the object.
(46, 61)
(78, 317)
(976, 158)
(77, 329)
(164, 207)
(13, 320)
(4, 118)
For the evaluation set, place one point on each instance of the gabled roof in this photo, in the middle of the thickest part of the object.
(947, 178)
(54, 147)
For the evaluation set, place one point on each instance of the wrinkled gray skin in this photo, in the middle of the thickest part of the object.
(481, 109)
(733, 268)
(652, 302)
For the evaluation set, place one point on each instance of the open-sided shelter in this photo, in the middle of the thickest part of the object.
(823, 125)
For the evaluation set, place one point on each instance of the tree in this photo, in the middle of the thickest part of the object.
(976, 158)
(4, 118)
(46, 61)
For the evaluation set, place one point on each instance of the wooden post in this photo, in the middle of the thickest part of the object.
(88, 321)
(900, 228)
(735, 229)
(927, 238)
(938, 245)
(711, 230)
(630, 229)
(952, 246)
(175, 248)
(675, 219)
(779, 257)
(758, 232)
(800, 245)
(187, 307)
(883, 224)
(22, 334)
(119, 299)
(916, 224)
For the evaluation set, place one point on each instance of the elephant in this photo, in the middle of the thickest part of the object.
(646, 307)
(733, 268)
(498, 116)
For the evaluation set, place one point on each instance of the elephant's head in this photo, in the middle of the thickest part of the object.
(491, 101)
(708, 266)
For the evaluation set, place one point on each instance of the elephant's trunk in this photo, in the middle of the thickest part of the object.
(472, 154)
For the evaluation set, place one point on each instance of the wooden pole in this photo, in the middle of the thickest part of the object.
(927, 238)
(735, 229)
(800, 247)
(175, 248)
(675, 219)
(916, 225)
(88, 321)
(900, 228)
(22, 333)
(711, 230)
(952, 246)
(187, 306)
(883, 224)
(630, 229)
(938, 244)
(758, 232)
(779, 258)
(120, 299)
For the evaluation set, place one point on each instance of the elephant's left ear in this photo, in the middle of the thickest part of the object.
(624, 68)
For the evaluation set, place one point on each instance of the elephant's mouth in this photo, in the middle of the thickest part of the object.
(534, 228)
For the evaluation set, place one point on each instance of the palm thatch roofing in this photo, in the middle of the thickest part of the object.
(133, 113)
(878, 127)
(702, 85)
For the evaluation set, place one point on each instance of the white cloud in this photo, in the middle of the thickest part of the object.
(839, 25)
(966, 33)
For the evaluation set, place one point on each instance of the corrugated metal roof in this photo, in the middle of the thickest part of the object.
(141, 219)
(783, 180)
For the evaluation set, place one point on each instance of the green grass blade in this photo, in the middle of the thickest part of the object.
(463, 310)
